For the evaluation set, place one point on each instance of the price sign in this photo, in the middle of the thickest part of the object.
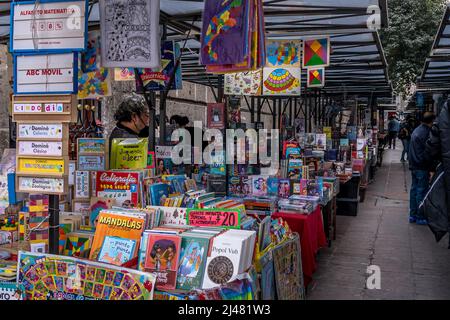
(214, 218)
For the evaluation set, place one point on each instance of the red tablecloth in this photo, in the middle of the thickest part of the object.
(312, 237)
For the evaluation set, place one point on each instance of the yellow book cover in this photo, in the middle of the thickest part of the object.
(116, 225)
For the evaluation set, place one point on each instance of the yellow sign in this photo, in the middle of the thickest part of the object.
(41, 166)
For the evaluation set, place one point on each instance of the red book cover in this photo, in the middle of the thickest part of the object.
(216, 115)
(121, 186)
(162, 255)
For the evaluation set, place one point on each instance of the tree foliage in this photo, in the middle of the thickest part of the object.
(413, 25)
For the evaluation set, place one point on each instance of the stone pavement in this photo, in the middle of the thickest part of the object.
(412, 264)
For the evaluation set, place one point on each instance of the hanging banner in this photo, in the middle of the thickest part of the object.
(48, 25)
(41, 185)
(40, 148)
(130, 33)
(158, 78)
(42, 131)
(41, 166)
(45, 73)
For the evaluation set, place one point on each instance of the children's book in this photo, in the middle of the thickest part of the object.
(158, 193)
(127, 225)
(264, 238)
(124, 187)
(259, 186)
(246, 185)
(295, 165)
(193, 254)
(172, 215)
(272, 186)
(234, 186)
(321, 141)
(161, 258)
(129, 154)
(116, 250)
(284, 188)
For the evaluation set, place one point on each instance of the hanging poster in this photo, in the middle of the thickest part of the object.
(94, 84)
(90, 59)
(48, 25)
(243, 83)
(158, 78)
(52, 277)
(225, 32)
(45, 73)
(281, 81)
(124, 74)
(130, 33)
(283, 53)
(316, 52)
(316, 78)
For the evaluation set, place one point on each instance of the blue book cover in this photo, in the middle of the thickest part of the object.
(116, 250)
(272, 186)
(351, 133)
(157, 192)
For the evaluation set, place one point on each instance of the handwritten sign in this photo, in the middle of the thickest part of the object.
(44, 185)
(38, 148)
(40, 131)
(163, 152)
(40, 107)
(55, 25)
(45, 73)
(213, 218)
(41, 166)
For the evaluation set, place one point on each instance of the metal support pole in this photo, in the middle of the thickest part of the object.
(258, 101)
(252, 110)
(53, 208)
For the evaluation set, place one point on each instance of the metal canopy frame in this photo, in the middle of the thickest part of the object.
(436, 72)
(358, 65)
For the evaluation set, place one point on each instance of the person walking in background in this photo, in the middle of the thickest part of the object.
(393, 129)
(420, 167)
(406, 128)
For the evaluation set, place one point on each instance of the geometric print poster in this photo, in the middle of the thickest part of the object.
(316, 77)
(316, 53)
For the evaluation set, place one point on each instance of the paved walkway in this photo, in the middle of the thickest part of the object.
(412, 264)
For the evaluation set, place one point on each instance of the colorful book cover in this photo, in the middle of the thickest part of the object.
(234, 186)
(97, 205)
(259, 186)
(295, 165)
(216, 116)
(352, 133)
(126, 183)
(129, 154)
(272, 186)
(116, 250)
(158, 193)
(284, 188)
(295, 187)
(78, 244)
(344, 142)
(162, 255)
(321, 141)
(194, 251)
(310, 139)
(118, 225)
(246, 185)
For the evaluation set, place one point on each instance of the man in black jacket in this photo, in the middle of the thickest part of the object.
(438, 151)
(420, 167)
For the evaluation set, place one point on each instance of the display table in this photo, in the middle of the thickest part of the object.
(312, 237)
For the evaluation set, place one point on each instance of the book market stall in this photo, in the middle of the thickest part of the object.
(93, 217)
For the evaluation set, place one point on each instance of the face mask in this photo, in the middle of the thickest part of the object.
(144, 133)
